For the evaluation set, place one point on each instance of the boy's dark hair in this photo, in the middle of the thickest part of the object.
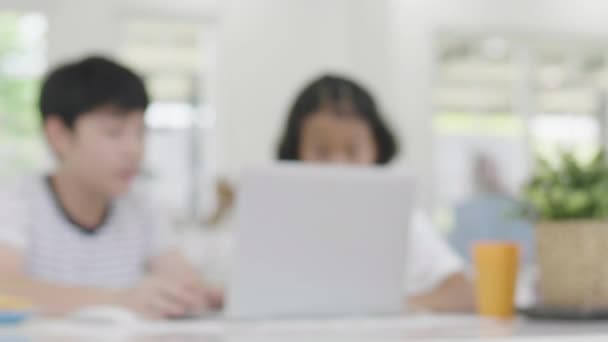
(330, 90)
(75, 88)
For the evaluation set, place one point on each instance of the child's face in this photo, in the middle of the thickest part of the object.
(340, 139)
(104, 149)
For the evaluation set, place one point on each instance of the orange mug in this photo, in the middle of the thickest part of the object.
(496, 266)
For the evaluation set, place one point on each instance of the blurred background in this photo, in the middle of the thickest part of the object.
(474, 88)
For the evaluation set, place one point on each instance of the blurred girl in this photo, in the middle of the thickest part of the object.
(335, 120)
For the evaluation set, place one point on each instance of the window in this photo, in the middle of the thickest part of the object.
(477, 115)
(22, 62)
(507, 99)
(568, 82)
(175, 58)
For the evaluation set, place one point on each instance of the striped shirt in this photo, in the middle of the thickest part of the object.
(58, 251)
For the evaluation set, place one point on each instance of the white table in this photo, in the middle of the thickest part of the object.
(412, 328)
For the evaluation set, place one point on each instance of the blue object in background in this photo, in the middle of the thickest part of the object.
(13, 317)
(14, 338)
(491, 217)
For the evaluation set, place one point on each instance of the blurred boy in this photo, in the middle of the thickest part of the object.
(79, 237)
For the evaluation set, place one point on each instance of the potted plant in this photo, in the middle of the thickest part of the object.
(570, 201)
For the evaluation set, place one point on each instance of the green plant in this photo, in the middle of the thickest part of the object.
(21, 144)
(569, 189)
(18, 93)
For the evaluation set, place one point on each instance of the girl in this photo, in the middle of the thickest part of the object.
(335, 120)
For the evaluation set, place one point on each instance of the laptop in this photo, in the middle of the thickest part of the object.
(318, 241)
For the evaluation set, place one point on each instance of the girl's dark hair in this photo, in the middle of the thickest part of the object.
(336, 91)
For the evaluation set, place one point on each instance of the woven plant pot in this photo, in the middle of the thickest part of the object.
(573, 264)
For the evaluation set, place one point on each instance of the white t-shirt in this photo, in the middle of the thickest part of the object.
(430, 260)
(57, 250)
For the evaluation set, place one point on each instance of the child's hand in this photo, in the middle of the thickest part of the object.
(180, 287)
(212, 298)
(160, 297)
(215, 298)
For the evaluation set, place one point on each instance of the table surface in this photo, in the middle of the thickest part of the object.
(407, 328)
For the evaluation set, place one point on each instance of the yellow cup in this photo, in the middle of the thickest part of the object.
(496, 265)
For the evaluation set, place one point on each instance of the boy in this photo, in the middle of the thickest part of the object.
(78, 237)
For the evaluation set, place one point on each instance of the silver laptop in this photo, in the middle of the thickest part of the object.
(319, 241)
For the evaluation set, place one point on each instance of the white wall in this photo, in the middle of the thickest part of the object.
(268, 49)
(81, 27)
